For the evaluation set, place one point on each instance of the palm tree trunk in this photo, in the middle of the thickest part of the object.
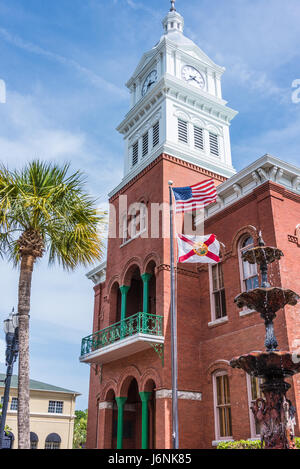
(27, 263)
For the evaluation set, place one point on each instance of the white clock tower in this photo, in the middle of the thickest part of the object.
(177, 106)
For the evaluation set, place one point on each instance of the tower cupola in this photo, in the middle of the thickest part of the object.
(173, 21)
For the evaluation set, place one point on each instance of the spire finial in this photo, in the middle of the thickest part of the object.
(173, 5)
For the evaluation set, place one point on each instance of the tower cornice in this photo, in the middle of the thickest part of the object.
(174, 88)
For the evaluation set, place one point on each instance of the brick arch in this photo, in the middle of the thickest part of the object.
(218, 365)
(131, 372)
(113, 280)
(151, 257)
(249, 229)
(110, 385)
(125, 277)
(151, 374)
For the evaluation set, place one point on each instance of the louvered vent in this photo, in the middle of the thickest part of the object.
(156, 134)
(214, 144)
(198, 138)
(135, 153)
(182, 131)
(145, 144)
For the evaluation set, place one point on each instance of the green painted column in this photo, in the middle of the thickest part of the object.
(120, 403)
(146, 279)
(145, 396)
(124, 291)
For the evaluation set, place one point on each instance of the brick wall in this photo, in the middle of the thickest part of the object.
(202, 348)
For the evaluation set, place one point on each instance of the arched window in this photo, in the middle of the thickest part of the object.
(53, 441)
(33, 440)
(222, 405)
(248, 272)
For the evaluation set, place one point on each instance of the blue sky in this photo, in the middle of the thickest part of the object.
(65, 63)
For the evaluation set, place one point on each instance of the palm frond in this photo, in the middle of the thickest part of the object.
(45, 198)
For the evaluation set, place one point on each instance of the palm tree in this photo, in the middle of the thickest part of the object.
(43, 210)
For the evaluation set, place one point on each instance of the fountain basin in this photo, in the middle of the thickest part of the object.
(262, 254)
(267, 301)
(279, 364)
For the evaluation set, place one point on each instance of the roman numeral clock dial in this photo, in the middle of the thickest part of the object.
(193, 76)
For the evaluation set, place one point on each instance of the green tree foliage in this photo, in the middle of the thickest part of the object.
(247, 444)
(80, 429)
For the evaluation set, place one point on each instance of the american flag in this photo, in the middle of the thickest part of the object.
(196, 196)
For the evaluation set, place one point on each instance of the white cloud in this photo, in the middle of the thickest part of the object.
(282, 142)
(92, 77)
(253, 40)
(29, 130)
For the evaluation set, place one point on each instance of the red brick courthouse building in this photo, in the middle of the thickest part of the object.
(178, 129)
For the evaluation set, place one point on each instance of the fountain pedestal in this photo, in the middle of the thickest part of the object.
(275, 413)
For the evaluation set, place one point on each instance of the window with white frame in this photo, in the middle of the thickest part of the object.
(223, 421)
(254, 393)
(249, 276)
(214, 144)
(14, 404)
(218, 296)
(55, 407)
(198, 138)
(182, 131)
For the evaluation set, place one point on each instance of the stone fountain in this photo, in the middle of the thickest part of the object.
(275, 413)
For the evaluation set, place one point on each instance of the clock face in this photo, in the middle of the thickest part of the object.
(193, 76)
(149, 82)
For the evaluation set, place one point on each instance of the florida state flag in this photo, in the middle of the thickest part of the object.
(198, 249)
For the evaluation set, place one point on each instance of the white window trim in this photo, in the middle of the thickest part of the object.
(214, 320)
(217, 425)
(56, 406)
(218, 322)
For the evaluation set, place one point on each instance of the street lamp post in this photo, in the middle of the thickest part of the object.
(12, 348)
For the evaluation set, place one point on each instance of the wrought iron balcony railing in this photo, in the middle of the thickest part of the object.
(140, 323)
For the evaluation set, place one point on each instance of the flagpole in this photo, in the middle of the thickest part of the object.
(175, 434)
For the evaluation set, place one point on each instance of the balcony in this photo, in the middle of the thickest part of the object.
(132, 335)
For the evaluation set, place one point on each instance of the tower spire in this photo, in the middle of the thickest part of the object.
(173, 5)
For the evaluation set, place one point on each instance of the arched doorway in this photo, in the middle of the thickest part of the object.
(135, 293)
(150, 396)
(115, 299)
(150, 270)
(132, 417)
(111, 421)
